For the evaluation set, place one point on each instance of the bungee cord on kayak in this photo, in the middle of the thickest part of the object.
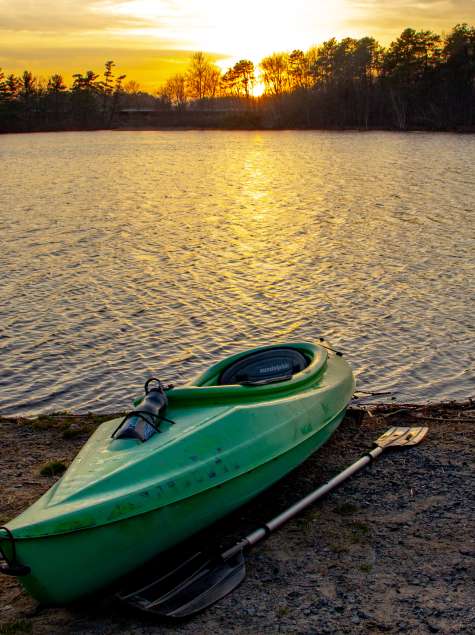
(144, 422)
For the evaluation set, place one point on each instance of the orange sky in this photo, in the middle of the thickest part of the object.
(152, 39)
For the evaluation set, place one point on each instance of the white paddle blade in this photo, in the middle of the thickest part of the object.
(399, 437)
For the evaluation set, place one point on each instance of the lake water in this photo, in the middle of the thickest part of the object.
(125, 254)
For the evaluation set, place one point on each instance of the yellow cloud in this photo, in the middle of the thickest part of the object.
(151, 39)
(385, 19)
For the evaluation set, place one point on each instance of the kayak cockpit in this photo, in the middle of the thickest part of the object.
(265, 365)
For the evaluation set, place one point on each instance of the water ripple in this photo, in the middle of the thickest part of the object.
(125, 254)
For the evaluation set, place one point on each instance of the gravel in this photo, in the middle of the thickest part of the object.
(390, 551)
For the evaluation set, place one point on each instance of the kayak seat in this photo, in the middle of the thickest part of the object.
(264, 367)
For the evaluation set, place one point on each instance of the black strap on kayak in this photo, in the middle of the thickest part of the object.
(150, 411)
(162, 418)
(12, 567)
(141, 414)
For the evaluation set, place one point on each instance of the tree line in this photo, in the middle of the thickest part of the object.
(421, 80)
(29, 103)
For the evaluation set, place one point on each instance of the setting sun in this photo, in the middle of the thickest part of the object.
(152, 39)
(252, 30)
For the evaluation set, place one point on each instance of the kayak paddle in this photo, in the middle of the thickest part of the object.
(203, 579)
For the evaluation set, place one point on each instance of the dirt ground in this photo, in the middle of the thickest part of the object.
(390, 551)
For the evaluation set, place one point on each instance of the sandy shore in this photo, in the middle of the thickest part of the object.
(391, 551)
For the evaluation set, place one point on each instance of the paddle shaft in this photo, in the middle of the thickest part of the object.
(258, 535)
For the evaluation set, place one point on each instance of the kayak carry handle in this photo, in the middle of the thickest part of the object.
(12, 567)
(160, 386)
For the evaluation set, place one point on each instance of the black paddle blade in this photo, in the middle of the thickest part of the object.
(189, 588)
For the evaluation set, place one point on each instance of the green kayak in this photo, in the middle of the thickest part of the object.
(135, 490)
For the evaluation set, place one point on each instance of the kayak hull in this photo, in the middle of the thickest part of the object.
(68, 566)
(122, 502)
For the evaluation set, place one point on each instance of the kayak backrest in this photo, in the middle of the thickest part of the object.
(264, 367)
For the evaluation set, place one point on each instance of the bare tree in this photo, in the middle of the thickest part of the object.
(202, 77)
(132, 87)
(275, 73)
(212, 81)
(174, 91)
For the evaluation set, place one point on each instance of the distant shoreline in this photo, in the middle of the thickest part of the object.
(461, 131)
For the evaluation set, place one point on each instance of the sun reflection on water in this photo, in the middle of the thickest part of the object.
(165, 251)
